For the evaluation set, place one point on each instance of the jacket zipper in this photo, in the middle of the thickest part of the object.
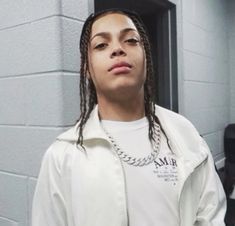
(184, 187)
(125, 188)
(179, 204)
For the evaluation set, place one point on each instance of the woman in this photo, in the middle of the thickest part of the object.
(126, 161)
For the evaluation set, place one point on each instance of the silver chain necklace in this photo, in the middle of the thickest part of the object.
(138, 161)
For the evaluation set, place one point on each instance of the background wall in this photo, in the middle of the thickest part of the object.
(207, 81)
(39, 83)
(231, 47)
(38, 92)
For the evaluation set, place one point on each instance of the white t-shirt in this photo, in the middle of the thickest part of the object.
(152, 191)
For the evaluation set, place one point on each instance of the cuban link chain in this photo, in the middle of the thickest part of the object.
(138, 161)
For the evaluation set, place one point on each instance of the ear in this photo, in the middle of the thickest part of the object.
(88, 74)
(89, 70)
(86, 69)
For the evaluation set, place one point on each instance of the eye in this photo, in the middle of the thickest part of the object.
(100, 46)
(132, 41)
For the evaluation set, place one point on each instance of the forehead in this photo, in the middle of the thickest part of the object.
(112, 22)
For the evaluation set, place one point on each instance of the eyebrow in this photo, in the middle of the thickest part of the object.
(106, 34)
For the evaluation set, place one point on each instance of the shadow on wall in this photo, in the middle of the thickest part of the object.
(228, 178)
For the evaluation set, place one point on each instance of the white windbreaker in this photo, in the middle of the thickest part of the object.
(87, 188)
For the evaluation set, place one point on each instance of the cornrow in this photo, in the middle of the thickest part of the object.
(88, 97)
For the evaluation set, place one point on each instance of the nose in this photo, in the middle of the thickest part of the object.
(118, 52)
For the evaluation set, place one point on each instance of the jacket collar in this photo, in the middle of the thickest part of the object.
(92, 129)
(192, 155)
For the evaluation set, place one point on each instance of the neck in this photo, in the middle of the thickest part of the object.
(121, 111)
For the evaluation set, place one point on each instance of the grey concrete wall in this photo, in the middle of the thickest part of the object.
(231, 38)
(206, 80)
(39, 96)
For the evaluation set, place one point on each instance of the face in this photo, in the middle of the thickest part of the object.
(116, 57)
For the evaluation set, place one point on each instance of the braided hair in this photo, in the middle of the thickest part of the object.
(88, 97)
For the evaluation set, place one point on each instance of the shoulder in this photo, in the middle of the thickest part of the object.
(175, 120)
(179, 128)
(60, 151)
(55, 152)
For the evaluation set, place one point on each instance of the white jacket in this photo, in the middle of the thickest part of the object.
(87, 188)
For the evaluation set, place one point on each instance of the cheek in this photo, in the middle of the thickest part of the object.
(141, 60)
(97, 69)
(93, 67)
(140, 56)
(96, 64)
(144, 61)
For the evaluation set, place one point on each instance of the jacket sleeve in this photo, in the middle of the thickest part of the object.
(212, 203)
(48, 207)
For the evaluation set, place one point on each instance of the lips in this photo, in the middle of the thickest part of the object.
(119, 65)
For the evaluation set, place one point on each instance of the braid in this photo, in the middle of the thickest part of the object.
(87, 89)
(88, 97)
(149, 86)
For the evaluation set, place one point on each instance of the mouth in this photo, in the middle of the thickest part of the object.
(117, 66)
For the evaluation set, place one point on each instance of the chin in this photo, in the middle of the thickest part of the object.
(127, 91)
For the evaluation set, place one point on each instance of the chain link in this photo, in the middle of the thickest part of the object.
(138, 161)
